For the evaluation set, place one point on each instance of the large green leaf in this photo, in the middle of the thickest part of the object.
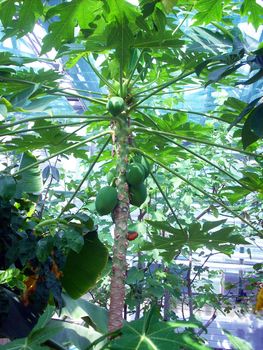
(253, 129)
(30, 180)
(82, 308)
(150, 333)
(83, 269)
(39, 334)
(256, 121)
(79, 336)
(69, 14)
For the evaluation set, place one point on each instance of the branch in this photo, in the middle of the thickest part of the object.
(205, 261)
(84, 178)
(189, 286)
(167, 201)
(134, 67)
(160, 88)
(184, 111)
(21, 131)
(207, 324)
(70, 116)
(207, 210)
(209, 162)
(54, 345)
(100, 76)
(62, 151)
(145, 115)
(110, 335)
(54, 90)
(192, 139)
(199, 189)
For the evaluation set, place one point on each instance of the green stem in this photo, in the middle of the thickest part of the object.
(84, 178)
(62, 151)
(209, 162)
(223, 30)
(53, 345)
(145, 115)
(135, 66)
(207, 194)
(66, 137)
(145, 86)
(110, 335)
(167, 201)
(83, 97)
(49, 222)
(86, 91)
(100, 76)
(41, 128)
(161, 87)
(175, 91)
(32, 119)
(184, 19)
(184, 111)
(192, 139)
(56, 90)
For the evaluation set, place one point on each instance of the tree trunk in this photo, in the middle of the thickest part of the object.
(166, 305)
(120, 216)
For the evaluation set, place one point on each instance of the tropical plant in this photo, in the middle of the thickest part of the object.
(158, 169)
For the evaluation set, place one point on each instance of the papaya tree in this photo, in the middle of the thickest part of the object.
(156, 154)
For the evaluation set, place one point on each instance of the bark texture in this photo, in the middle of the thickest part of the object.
(120, 215)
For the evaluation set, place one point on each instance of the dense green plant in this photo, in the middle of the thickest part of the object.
(146, 57)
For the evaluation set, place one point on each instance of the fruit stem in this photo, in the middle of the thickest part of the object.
(120, 217)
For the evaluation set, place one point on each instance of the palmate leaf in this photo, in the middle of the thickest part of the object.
(208, 11)
(254, 11)
(7, 58)
(119, 34)
(222, 240)
(195, 236)
(54, 139)
(121, 20)
(19, 17)
(25, 87)
(150, 333)
(159, 40)
(70, 14)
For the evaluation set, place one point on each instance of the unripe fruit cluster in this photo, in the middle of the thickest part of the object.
(137, 171)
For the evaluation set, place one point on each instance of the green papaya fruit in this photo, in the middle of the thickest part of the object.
(82, 269)
(115, 105)
(144, 162)
(135, 174)
(106, 200)
(138, 195)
